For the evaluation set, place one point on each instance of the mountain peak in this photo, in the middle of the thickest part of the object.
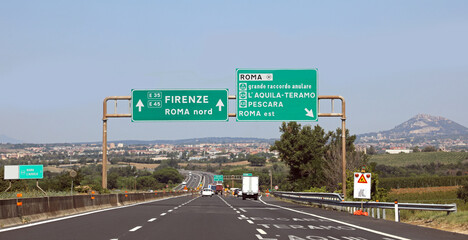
(422, 128)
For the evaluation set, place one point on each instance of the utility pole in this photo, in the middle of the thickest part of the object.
(271, 179)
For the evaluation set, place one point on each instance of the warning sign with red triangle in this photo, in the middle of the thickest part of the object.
(362, 179)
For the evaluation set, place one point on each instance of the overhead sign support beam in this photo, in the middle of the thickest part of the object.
(105, 116)
(343, 129)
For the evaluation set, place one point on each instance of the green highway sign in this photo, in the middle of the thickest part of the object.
(31, 172)
(180, 105)
(247, 174)
(277, 95)
(218, 178)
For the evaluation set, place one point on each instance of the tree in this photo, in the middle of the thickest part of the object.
(371, 150)
(333, 163)
(256, 160)
(303, 150)
(429, 149)
(167, 175)
(462, 192)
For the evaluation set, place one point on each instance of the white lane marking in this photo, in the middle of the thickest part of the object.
(114, 239)
(84, 214)
(162, 214)
(242, 210)
(337, 221)
(170, 210)
(261, 231)
(138, 227)
(237, 212)
(152, 219)
(233, 208)
(259, 236)
(243, 216)
(176, 207)
(250, 221)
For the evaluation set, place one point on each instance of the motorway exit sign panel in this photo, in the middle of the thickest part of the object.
(180, 105)
(218, 178)
(23, 172)
(277, 95)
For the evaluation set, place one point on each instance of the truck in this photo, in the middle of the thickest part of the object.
(219, 189)
(249, 187)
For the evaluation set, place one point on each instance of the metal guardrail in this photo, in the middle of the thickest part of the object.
(336, 200)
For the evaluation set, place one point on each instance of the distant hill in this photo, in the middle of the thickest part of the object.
(422, 128)
(6, 139)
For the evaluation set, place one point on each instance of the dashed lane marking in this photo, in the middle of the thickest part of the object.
(261, 231)
(162, 214)
(337, 221)
(237, 212)
(138, 227)
(170, 210)
(152, 219)
(84, 214)
(250, 221)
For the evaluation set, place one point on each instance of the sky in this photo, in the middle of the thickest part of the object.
(390, 60)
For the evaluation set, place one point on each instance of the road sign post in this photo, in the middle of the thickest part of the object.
(362, 185)
(277, 95)
(180, 105)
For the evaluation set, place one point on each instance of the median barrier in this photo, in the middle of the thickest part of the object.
(35, 209)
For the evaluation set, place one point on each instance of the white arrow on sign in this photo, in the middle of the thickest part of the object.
(139, 105)
(220, 104)
(309, 113)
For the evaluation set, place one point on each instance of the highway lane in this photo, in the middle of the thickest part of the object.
(226, 217)
(275, 219)
(107, 224)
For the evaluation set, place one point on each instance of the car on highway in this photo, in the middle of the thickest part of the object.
(207, 192)
(184, 183)
(239, 193)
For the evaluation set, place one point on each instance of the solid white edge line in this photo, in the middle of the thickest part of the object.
(83, 214)
(337, 221)
(261, 231)
(136, 228)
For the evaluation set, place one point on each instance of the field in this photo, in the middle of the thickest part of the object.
(242, 163)
(141, 166)
(421, 158)
(456, 222)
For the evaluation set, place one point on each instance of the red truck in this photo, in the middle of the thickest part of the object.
(219, 189)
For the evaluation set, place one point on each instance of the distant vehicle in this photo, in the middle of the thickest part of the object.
(250, 187)
(219, 189)
(239, 193)
(190, 173)
(213, 187)
(184, 183)
(235, 191)
(207, 192)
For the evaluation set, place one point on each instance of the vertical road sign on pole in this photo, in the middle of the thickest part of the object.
(277, 95)
(362, 185)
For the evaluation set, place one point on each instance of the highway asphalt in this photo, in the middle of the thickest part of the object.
(222, 217)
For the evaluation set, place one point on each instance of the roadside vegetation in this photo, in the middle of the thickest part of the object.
(88, 178)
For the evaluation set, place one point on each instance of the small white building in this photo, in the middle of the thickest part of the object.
(398, 150)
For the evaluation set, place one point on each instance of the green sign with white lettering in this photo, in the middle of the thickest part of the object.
(218, 178)
(180, 105)
(277, 95)
(31, 172)
(247, 174)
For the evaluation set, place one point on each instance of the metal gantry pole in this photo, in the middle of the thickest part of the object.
(105, 116)
(343, 132)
